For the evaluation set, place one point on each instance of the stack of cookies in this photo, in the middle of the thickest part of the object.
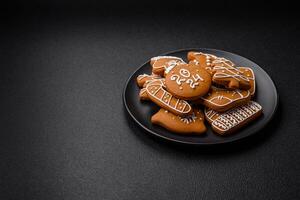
(206, 87)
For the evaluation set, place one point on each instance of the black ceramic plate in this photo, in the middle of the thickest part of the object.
(141, 112)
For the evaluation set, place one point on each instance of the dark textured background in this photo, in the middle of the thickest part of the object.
(64, 133)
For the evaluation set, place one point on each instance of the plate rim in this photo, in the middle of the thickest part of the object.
(190, 142)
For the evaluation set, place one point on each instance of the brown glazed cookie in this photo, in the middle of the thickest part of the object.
(220, 61)
(211, 115)
(143, 95)
(188, 81)
(234, 119)
(224, 71)
(157, 94)
(221, 99)
(191, 124)
(143, 92)
(231, 77)
(145, 78)
(202, 59)
(161, 63)
(208, 61)
(162, 80)
(248, 72)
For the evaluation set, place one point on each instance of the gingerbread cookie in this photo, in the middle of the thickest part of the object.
(248, 72)
(201, 59)
(162, 80)
(220, 61)
(145, 78)
(143, 95)
(143, 92)
(211, 115)
(231, 77)
(164, 99)
(208, 61)
(221, 100)
(161, 63)
(191, 124)
(188, 81)
(234, 119)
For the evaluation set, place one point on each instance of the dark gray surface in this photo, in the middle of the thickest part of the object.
(65, 135)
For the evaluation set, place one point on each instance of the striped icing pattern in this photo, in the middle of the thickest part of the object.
(232, 118)
(155, 90)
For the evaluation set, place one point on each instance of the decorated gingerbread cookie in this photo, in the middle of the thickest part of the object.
(143, 95)
(211, 115)
(162, 80)
(191, 124)
(160, 64)
(145, 78)
(234, 119)
(220, 61)
(208, 61)
(202, 59)
(231, 77)
(143, 92)
(157, 94)
(248, 72)
(188, 81)
(221, 100)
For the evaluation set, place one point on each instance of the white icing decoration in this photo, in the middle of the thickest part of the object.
(177, 78)
(217, 61)
(175, 59)
(142, 76)
(171, 65)
(209, 113)
(232, 72)
(197, 77)
(176, 103)
(143, 90)
(192, 84)
(186, 74)
(232, 118)
(208, 57)
(220, 97)
(223, 61)
(195, 62)
(253, 78)
(188, 119)
(159, 83)
(170, 57)
(150, 78)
